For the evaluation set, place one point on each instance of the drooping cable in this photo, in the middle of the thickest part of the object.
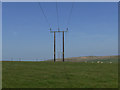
(57, 15)
(59, 45)
(59, 41)
(70, 14)
(44, 14)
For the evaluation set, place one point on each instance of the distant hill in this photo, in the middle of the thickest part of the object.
(91, 58)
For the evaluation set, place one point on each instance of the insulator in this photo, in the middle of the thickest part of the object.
(58, 28)
(67, 29)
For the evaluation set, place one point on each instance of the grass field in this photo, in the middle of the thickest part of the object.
(47, 74)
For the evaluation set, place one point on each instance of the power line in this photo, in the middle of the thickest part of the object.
(70, 13)
(44, 14)
(57, 15)
(59, 45)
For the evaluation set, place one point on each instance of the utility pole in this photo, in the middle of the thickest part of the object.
(63, 46)
(58, 31)
(54, 47)
(11, 59)
(19, 59)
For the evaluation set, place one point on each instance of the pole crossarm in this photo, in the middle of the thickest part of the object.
(58, 31)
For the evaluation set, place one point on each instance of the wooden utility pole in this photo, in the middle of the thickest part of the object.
(63, 46)
(54, 47)
(55, 42)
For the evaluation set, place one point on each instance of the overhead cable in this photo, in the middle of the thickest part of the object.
(44, 14)
(57, 15)
(70, 14)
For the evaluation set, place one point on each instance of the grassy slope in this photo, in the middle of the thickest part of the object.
(94, 58)
(59, 74)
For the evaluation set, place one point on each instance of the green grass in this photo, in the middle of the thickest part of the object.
(59, 75)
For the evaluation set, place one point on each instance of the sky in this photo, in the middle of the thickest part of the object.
(93, 29)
